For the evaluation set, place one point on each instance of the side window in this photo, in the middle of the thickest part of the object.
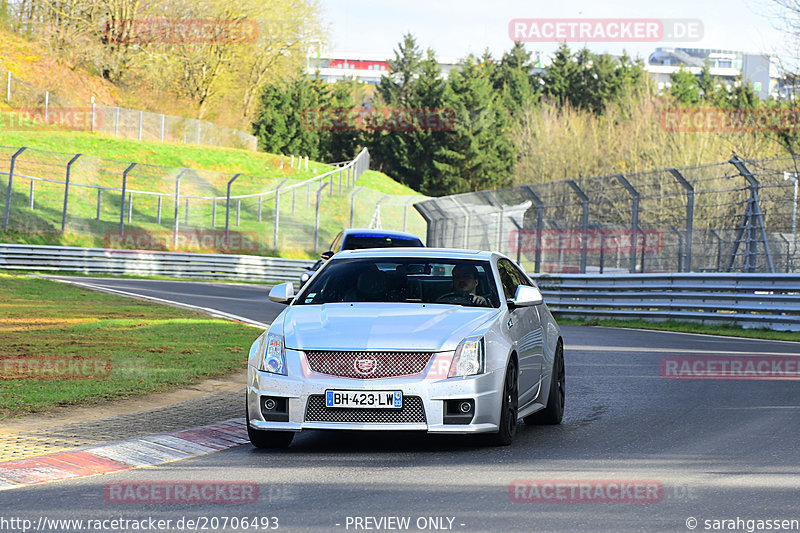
(508, 277)
(521, 278)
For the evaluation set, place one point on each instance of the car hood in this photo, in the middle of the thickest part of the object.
(377, 326)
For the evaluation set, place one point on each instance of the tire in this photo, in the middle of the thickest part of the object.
(509, 408)
(554, 410)
(267, 439)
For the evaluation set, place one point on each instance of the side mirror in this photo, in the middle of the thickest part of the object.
(282, 294)
(326, 255)
(526, 296)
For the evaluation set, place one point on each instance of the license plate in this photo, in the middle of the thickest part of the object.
(364, 399)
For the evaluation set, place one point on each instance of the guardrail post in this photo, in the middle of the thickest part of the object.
(584, 221)
(122, 200)
(66, 192)
(634, 220)
(176, 222)
(228, 210)
(353, 204)
(10, 183)
(277, 213)
(316, 216)
(687, 248)
(537, 202)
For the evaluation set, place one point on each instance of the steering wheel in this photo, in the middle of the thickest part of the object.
(459, 297)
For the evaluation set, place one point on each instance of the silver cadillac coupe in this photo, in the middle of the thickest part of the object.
(443, 341)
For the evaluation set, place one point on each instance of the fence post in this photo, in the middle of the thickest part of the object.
(634, 220)
(719, 249)
(753, 217)
(213, 213)
(260, 202)
(46, 106)
(198, 132)
(308, 194)
(238, 211)
(99, 191)
(537, 202)
(8, 88)
(176, 222)
(30, 196)
(141, 119)
(277, 213)
(680, 247)
(584, 221)
(353, 204)
(93, 113)
(340, 181)
(228, 210)
(186, 213)
(687, 247)
(122, 202)
(66, 191)
(294, 193)
(163, 119)
(10, 183)
(316, 216)
(130, 207)
(116, 123)
(158, 213)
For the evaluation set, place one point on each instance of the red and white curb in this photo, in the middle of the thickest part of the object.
(123, 455)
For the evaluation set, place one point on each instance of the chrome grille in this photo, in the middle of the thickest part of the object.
(385, 364)
(412, 412)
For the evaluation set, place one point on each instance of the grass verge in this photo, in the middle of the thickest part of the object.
(685, 327)
(147, 348)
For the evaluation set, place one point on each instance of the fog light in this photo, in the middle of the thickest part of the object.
(465, 407)
(269, 404)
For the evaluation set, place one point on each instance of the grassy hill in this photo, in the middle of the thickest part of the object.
(106, 159)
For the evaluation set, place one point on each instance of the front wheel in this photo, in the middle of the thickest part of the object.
(508, 408)
(554, 411)
(267, 439)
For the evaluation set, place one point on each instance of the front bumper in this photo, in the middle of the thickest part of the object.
(301, 386)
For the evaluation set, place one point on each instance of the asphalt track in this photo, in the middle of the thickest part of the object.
(718, 450)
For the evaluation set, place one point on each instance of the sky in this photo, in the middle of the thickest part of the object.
(456, 28)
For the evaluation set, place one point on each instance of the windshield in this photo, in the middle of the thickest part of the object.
(444, 281)
(361, 241)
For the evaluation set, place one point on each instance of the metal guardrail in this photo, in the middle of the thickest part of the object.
(747, 300)
(150, 263)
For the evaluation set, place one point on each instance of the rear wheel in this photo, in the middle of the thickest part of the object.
(554, 411)
(509, 407)
(267, 439)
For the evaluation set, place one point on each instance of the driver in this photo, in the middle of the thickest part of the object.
(465, 284)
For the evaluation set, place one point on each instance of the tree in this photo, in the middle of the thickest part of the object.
(684, 88)
(513, 78)
(478, 153)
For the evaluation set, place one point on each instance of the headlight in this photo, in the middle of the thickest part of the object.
(469, 357)
(272, 357)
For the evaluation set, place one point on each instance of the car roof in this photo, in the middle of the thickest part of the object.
(380, 233)
(423, 253)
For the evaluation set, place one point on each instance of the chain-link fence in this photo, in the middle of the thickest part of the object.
(736, 216)
(79, 199)
(31, 107)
